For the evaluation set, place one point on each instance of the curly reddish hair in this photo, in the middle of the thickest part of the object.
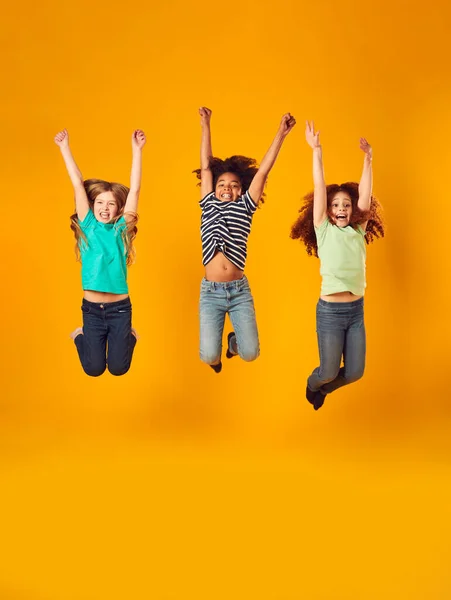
(304, 230)
(243, 167)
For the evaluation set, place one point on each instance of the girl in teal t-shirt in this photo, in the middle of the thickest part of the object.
(104, 225)
(335, 224)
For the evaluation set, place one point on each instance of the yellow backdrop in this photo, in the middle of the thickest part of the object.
(173, 483)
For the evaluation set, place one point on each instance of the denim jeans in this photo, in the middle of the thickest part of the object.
(235, 299)
(107, 338)
(341, 332)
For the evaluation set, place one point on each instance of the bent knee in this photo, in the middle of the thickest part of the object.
(210, 358)
(249, 354)
(328, 376)
(94, 371)
(354, 376)
(118, 370)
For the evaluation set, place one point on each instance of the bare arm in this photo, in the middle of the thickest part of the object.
(366, 180)
(206, 181)
(131, 204)
(319, 184)
(258, 183)
(81, 199)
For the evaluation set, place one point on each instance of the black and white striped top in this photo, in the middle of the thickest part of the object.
(225, 226)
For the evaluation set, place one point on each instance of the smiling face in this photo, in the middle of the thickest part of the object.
(105, 207)
(341, 209)
(228, 187)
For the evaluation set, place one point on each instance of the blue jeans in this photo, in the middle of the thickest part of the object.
(235, 299)
(341, 332)
(107, 337)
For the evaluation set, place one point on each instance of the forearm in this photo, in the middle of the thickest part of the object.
(136, 171)
(72, 169)
(366, 183)
(318, 169)
(270, 157)
(205, 148)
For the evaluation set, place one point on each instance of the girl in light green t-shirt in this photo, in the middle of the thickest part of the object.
(335, 224)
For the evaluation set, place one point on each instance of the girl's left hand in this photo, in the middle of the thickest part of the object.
(364, 145)
(138, 139)
(286, 124)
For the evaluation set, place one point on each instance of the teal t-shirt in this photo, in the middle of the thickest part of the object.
(342, 252)
(103, 259)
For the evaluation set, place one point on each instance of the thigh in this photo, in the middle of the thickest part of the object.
(330, 329)
(120, 336)
(94, 339)
(355, 348)
(212, 311)
(244, 321)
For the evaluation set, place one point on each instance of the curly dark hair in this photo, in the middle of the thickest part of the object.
(242, 166)
(304, 231)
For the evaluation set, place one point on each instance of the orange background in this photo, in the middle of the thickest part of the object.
(173, 482)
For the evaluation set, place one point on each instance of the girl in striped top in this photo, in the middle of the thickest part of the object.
(231, 190)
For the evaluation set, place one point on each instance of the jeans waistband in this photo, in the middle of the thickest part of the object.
(345, 306)
(117, 304)
(218, 285)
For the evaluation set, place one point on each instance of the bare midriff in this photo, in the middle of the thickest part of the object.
(341, 297)
(103, 296)
(221, 269)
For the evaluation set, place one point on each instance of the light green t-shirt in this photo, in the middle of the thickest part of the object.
(103, 259)
(342, 252)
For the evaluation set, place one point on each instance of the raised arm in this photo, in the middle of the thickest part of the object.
(131, 204)
(258, 183)
(366, 181)
(319, 184)
(81, 199)
(206, 181)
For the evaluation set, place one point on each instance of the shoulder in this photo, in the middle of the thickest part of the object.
(88, 220)
(248, 202)
(323, 226)
(210, 196)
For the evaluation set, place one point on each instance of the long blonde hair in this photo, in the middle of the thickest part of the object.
(93, 188)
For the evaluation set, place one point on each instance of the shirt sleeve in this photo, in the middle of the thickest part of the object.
(321, 231)
(361, 231)
(249, 204)
(208, 197)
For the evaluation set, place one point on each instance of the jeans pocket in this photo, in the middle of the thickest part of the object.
(85, 309)
(124, 309)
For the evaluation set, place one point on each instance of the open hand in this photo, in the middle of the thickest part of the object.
(286, 124)
(365, 146)
(62, 138)
(311, 136)
(138, 139)
(205, 115)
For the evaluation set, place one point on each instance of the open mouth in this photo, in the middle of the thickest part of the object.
(226, 196)
(341, 217)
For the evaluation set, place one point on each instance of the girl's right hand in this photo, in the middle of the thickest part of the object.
(62, 139)
(205, 115)
(310, 135)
